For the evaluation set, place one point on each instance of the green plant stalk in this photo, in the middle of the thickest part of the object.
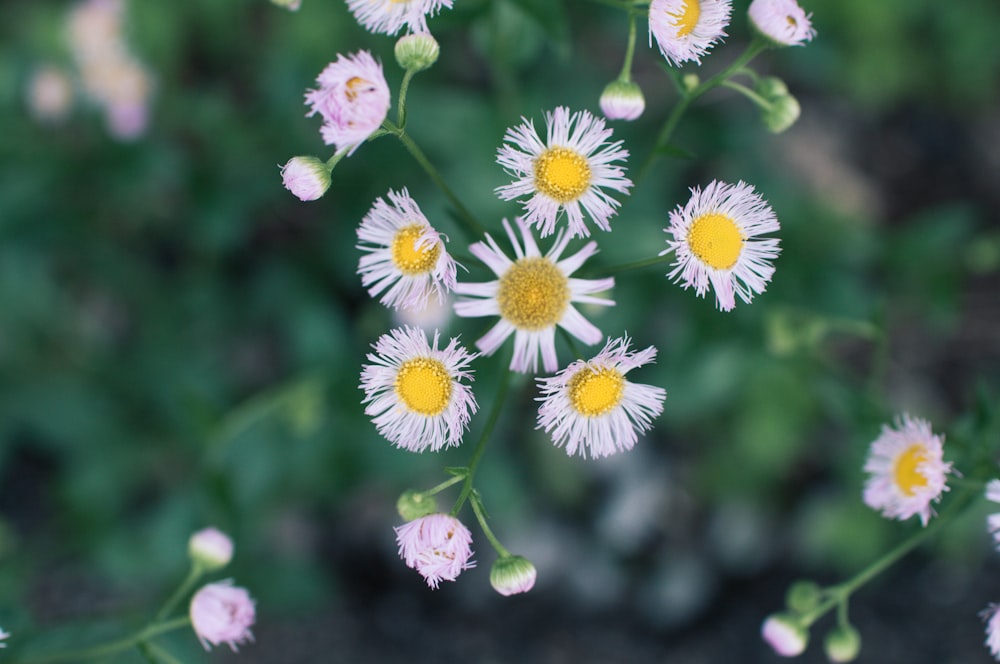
(444, 485)
(196, 572)
(145, 634)
(477, 507)
(637, 265)
(404, 87)
(626, 73)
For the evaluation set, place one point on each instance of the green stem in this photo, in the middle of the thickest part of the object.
(477, 507)
(162, 655)
(498, 400)
(337, 156)
(145, 634)
(469, 221)
(401, 107)
(444, 485)
(748, 93)
(637, 265)
(196, 572)
(626, 74)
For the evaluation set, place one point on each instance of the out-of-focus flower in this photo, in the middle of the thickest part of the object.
(532, 295)
(781, 22)
(686, 29)
(568, 171)
(714, 242)
(784, 635)
(438, 546)
(50, 94)
(290, 5)
(352, 99)
(306, 177)
(222, 613)
(413, 390)
(589, 406)
(390, 16)
(622, 100)
(3, 635)
(907, 470)
(842, 644)
(211, 548)
(993, 520)
(512, 575)
(991, 616)
(404, 256)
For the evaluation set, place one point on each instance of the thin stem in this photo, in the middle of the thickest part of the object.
(637, 265)
(337, 156)
(145, 634)
(477, 454)
(748, 93)
(193, 575)
(626, 74)
(477, 507)
(401, 107)
(162, 655)
(444, 485)
(470, 224)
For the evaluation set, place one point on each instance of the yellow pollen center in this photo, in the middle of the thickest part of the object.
(533, 294)
(791, 21)
(908, 477)
(562, 174)
(355, 86)
(716, 240)
(407, 257)
(687, 17)
(594, 393)
(424, 386)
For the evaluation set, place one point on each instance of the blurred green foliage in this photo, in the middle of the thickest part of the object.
(180, 338)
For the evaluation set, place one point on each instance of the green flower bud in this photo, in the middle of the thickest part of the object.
(690, 82)
(842, 644)
(783, 113)
(803, 596)
(290, 5)
(622, 100)
(417, 52)
(511, 575)
(414, 504)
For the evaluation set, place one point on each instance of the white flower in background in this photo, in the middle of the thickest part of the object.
(685, 30)
(781, 22)
(388, 17)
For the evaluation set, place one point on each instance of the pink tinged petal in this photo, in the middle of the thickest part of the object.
(581, 328)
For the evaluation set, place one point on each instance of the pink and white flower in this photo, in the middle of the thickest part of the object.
(991, 616)
(685, 30)
(3, 635)
(352, 99)
(438, 546)
(512, 575)
(532, 295)
(211, 548)
(589, 406)
(907, 470)
(993, 520)
(713, 240)
(390, 16)
(782, 22)
(568, 172)
(404, 256)
(222, 613)
(306, 177)
(413, 390)
(784, 635)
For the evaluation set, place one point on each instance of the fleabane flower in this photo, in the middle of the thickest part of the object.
(388, 17)
(781, 22)
(352, 99)
(991, 616)
(569, 171)
(993, 520)
(3, 635)
(714, 240)
(413, 390)
(222, 613)
(532, 295)
(306, 177)
(404, 256)
(438, 546)
(686, 29)
(590, 406)
(907, 470)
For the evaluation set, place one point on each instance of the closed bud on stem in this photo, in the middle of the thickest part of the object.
(413, 505)
(782, 110)
(417, 52)
(622, 100)
(511, 575)
(842, 644)
(290, 5)
(306, 177)
(803, 596)
(211, 549)
(785, 634)
(690, 82)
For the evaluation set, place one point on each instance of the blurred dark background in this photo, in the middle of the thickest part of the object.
(181, 338)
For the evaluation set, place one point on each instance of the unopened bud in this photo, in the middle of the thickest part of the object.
(417, 52)
(511, 575)
(803, 596)
(290, 5)
(622, 100)
(842, 644)
(785, 635)
(413, 505)
(210, 548)
(306, 177)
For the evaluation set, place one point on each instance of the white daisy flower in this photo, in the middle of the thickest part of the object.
(405, 256)
(991, 616)
(993, 520)
(713, 242)
(569, 171)
(781, 22)
(532, 295)
(413, 393)
(686, 29)
(907, 471)
(388, 17)
(590, 405)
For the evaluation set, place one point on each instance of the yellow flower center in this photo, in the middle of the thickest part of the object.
(716, 240)
(562, 174)
(687, 17)
(424, 386)
(791, 21)
(594, 393)
(355, 86)
(908, 477)
(533, 294)
(407, 257)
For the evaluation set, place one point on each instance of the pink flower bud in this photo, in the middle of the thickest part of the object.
(438, 546)
(306, 177)
(222, 613)
(211, 548)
